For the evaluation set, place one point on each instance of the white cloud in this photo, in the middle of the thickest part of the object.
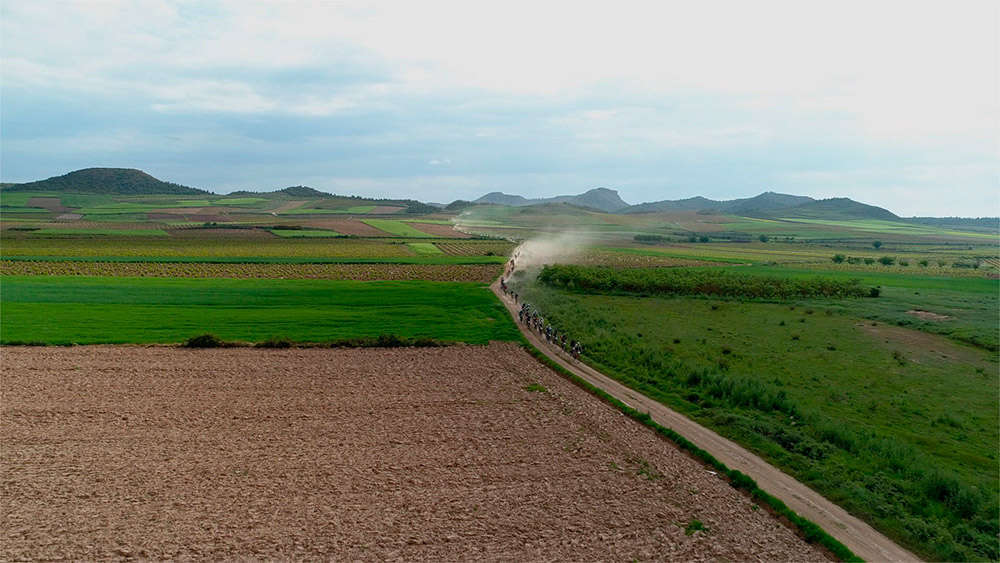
(612, 84)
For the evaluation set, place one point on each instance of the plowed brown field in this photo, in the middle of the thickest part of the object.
(440, 453)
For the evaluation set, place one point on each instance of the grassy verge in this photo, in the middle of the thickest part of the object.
(808, 530)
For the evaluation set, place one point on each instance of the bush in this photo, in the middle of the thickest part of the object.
(649, 239)
(869, 261)
(763, 238)
(205, 341)
(923, 263)
(877, 244)
(838, 258)
(887, 260)
(703, 238)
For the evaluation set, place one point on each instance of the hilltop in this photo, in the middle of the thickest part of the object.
(118, 181)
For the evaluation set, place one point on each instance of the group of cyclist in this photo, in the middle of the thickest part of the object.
(530, 317)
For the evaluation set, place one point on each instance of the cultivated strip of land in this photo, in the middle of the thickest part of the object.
(858, 536)
(443, 454)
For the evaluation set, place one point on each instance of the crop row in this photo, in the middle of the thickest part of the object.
(206, 247)
(483, 273)
(478, 248)
(698, 281)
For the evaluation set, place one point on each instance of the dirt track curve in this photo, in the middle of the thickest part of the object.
(862, 539)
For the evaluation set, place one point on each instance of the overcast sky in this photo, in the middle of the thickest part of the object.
(893, 104)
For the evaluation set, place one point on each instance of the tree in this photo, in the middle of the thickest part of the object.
(877, 244)
(763, 238)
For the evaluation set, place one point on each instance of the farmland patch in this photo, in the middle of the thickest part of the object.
(442, 451)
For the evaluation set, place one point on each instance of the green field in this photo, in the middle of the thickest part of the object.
(139, 310)
(898, 426)
(397, 228)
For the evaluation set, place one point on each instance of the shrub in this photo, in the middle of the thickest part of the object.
(923, 263)
(904, 262)
(205, 341)
(763, 238)
(838, 258)
(703, 238)
(877, 244)
(887, 260)
(869, 261)
(275, 342)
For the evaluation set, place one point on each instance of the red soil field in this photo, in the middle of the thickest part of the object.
(446, 231)
(404, 454)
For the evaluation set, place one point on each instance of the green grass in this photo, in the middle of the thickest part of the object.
(971, 302)
(910, 446)
(398, 228)
(305, 233)
(90, 310)
(102, 232)
(424, 248)
(18, 209)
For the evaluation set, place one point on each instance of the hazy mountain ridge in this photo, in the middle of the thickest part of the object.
(603, 199)
(766, 201)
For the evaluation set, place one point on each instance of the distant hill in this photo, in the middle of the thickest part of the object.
(766, 201)
(602, 199)
(835, 208)
(119, 181)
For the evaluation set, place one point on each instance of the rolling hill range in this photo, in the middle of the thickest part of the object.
(601, 199)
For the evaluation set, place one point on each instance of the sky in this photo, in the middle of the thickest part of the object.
(890, 103)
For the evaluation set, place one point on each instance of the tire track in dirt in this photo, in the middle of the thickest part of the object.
(858, 536)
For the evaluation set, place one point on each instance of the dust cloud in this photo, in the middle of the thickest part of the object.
(560, 248)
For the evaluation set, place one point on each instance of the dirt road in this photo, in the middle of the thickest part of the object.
(861, 538)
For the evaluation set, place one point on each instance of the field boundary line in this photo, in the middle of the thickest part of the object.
(807, 507)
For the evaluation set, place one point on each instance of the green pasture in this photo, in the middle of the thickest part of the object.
(397, 228)
(144, 310)
(900, 430)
